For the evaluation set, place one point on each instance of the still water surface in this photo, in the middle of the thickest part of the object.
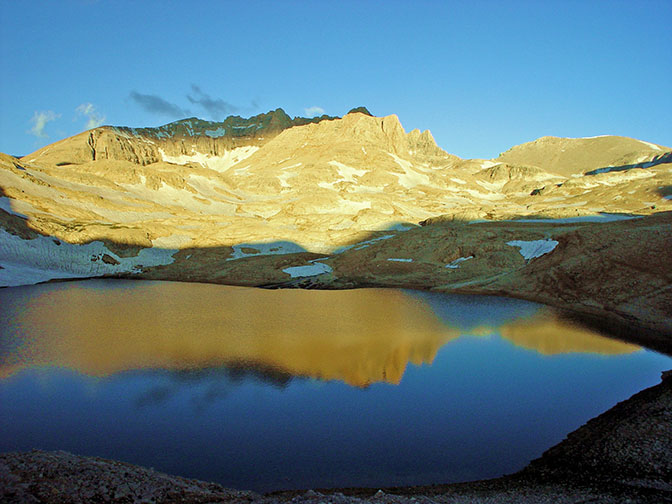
(279, 389)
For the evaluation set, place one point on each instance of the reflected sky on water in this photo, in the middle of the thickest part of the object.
(269, 389)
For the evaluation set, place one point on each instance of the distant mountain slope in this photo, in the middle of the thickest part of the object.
(575, 156)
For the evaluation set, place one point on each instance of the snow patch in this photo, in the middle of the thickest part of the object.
(219, 132)
(456, 263)
(213, 191)
(653, 146)
(492, 186)
(536, 248)
(410, 178)
(315, 268)
(44, 258)
(218, 163)
(347, 173)
(283, 178)
(170, 197)
(397, 259)
(242, 171)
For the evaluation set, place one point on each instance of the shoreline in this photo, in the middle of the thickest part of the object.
(622, 455)
(608, 323)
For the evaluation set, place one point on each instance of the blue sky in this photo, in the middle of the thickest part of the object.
(481, 75)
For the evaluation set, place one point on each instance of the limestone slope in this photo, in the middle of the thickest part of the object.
(271, 200)
(577, 156)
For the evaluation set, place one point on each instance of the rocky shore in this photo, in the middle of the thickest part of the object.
(623, 455)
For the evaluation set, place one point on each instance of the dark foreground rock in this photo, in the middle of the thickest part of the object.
(623, 455)
(61, 477)
(631, 443)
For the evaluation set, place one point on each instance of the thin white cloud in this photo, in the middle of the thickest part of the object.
(313, 111)
(88, 110)
(40, 120)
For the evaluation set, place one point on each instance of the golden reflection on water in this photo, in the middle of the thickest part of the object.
(548, 334)
(358, 336)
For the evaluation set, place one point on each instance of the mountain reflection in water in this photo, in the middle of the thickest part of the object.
(358, 336)
(266, 390)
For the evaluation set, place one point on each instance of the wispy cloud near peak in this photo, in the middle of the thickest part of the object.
(313, 111)
(88, 110)
(40, 120)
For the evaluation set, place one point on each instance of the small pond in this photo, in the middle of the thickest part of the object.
(278, 389)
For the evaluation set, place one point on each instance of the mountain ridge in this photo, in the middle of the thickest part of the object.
(345, 202)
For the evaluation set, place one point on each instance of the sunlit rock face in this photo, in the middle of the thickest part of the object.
(320, 183)
(356, 336)
(345, 202)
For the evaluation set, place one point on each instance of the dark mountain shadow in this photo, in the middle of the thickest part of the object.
(665, 191)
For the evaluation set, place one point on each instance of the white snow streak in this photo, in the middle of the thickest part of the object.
(315, 268)
(218, 163)
(653, 146)
(410, 178)
(456, 263)
(536, 248)
(347, 172)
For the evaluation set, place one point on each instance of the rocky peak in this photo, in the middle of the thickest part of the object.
(360, 110)
(270, 123)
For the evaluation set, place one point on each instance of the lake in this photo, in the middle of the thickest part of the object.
(279, 389)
